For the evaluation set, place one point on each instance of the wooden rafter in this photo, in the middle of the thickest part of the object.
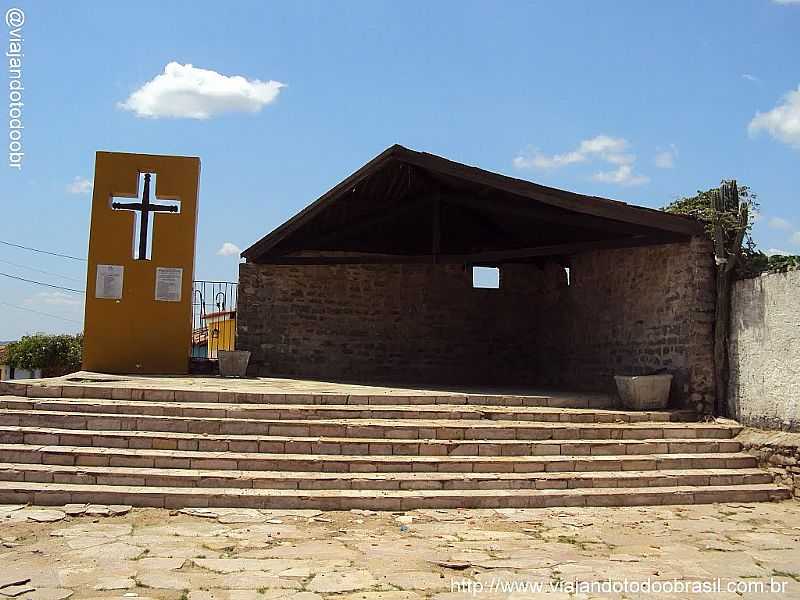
(494, 256)
(398, 170)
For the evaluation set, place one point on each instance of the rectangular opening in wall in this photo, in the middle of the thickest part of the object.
(486, 277)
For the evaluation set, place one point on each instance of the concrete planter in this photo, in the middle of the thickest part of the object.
(233, 363)
(644, 392)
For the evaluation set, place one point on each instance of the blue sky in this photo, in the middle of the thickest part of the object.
(638, 101)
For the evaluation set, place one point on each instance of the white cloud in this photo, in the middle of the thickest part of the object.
(614, 151)
(796, 238)
(79, 185)
(782, 122)
(607, 148)
(786, 1)
(184, 91)
(665, 159)
(229, 249)
(777, 251)
(604, 147)
(778, 223)
(537, 160)
(623, 175)
(749, 77)
(55, 299)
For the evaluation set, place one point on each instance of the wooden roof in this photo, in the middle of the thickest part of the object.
(407, 206)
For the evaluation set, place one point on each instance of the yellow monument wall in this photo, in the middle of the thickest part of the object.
(137, 334)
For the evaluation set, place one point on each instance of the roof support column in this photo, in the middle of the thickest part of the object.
(436, 244)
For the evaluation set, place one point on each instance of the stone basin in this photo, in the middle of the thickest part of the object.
(644, 392)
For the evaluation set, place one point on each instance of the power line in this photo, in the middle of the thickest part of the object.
(8, 262)
(38, 312)
(42, 251)
(50, 285)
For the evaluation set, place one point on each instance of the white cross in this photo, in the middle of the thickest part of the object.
(142, 211)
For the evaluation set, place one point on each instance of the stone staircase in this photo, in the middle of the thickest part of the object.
(64, 444)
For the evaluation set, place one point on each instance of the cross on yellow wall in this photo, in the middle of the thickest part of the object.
(139, 300)
(142, 210)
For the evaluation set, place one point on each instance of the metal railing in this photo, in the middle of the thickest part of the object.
(213, 318)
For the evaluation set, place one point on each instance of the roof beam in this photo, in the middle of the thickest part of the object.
(562, 249)
(547, 215)
(436, 234)
(312, 209)
(493, 256)
(590, 205)
(373, 221)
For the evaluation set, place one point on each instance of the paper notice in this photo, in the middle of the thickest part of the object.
(168, 284)
(109, 282)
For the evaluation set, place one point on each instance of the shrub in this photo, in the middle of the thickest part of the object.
(53, 354)
(752, 262)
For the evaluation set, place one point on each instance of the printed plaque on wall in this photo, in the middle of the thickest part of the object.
(109, 282)
(168, 284)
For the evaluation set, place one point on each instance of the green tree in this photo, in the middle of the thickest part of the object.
(750, 262)
(53, 354)
(728, 214)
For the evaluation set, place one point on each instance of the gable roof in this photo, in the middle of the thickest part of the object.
(390, 184)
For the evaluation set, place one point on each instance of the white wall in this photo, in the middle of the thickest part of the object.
(5, 373)
(764, 387)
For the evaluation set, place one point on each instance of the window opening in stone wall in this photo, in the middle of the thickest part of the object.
(486, 277)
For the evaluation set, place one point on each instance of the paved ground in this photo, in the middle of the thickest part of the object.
(237, 554)
(271, 385)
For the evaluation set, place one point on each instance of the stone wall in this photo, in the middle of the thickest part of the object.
(644, 310)
(777, 451)
(635, 310)
(764, 386)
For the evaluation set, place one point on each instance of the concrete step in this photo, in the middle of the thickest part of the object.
(335, 463)
(174, 497)
(343, 411)
(374, 481)
(128, 391)
(358, 446)
(122, 442)
(373, 428)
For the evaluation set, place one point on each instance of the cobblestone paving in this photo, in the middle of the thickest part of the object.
(238, 554)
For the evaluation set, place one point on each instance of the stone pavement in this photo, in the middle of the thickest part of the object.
(97, 382)
(98, 551)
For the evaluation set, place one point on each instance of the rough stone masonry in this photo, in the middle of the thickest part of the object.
(623, 311)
